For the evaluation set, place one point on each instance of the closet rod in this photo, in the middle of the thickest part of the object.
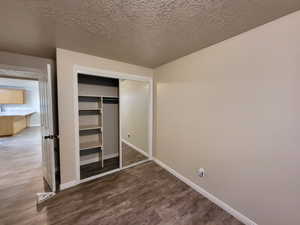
(110, 100)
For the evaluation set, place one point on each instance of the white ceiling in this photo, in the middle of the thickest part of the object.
(143, 32)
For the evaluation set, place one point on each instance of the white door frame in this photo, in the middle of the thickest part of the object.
(46, 96)
(20, 72)
(111, 74)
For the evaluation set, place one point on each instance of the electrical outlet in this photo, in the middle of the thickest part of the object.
(201, 172)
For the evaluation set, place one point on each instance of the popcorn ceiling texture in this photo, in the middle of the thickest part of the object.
(143, 32)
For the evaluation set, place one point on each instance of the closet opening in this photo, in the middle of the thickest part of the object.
(113, 122)
(98, 105)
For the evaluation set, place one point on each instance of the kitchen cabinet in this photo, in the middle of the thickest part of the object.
(12, 123)
(11, 96)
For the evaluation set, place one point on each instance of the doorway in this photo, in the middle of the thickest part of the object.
(20, 134)
(28, 145)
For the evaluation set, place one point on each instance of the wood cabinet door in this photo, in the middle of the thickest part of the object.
(11, 96)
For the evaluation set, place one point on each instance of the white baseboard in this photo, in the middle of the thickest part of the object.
(208, 195)
(135, 148)
(96, 159)
(68, 185)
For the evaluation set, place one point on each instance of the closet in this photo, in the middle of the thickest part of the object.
(98, 105)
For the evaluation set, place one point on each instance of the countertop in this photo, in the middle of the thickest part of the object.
(17, 113)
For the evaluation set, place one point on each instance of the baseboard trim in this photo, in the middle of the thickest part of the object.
(68, 185)
(206, 194)
(135, 148)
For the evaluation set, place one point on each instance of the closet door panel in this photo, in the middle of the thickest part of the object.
(134, 113)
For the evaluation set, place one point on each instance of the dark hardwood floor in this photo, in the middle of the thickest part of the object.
(143, 195)
(95, 168)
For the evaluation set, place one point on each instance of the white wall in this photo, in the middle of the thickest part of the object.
(134, 107)
(234, 109)
(32, 100)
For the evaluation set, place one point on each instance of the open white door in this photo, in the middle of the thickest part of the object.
(47, 129)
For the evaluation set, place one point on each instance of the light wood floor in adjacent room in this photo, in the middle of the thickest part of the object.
(143, 195)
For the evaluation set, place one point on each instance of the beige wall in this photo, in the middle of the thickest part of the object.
(65, 77)
(134, 106)
(234, 109)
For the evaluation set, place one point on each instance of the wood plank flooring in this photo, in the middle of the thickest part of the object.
(143, 195)
(95, 168)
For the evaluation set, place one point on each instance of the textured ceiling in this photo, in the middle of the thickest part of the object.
(143, 32)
